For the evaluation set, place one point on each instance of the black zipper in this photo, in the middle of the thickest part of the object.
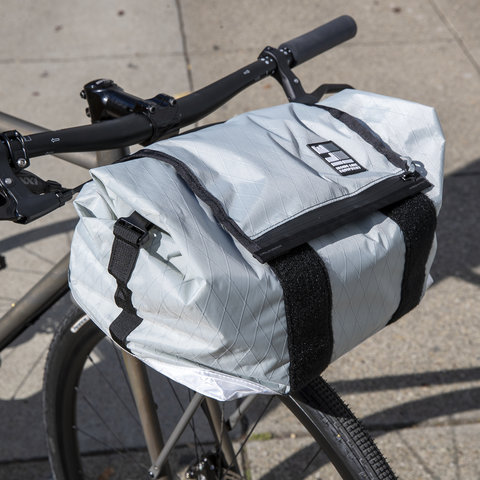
(312, 224)
(329, 217)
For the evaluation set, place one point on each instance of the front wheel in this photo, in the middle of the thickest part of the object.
(93, 429)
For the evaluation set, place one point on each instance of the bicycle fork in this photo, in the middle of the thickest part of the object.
(146, 408)
(157, 448)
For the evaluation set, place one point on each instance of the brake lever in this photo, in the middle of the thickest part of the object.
(24, 197)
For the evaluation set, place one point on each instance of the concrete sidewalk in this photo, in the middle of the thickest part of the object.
(415, 384)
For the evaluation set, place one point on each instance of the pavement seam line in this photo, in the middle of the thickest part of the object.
(458, 38)
(183, 35)
(128, 56)
(37, 364)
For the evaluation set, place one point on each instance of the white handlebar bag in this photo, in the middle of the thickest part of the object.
(246, 256)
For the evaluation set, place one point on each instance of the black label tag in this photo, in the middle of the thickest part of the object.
(337, 158)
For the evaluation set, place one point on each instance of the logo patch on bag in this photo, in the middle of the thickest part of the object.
(337, 158)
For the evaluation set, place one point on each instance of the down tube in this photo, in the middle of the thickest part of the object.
(36, 301)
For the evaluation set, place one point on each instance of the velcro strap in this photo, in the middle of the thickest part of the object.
(417, 220)
(307, 296)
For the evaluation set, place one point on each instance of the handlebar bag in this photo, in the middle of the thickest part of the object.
(247, 256)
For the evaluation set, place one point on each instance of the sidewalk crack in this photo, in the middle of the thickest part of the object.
(85, 58)
(186, 55)
(458, 38)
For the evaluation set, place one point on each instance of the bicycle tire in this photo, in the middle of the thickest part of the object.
(332, 425)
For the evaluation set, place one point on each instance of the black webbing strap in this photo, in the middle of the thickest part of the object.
(308, 306)
(417, 220)
(130, 233)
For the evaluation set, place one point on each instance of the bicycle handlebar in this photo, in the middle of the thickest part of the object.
(148, 126)
(321, 39)
(135, 128)
(116, 133)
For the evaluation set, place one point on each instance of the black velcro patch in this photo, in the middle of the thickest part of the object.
(308, 307)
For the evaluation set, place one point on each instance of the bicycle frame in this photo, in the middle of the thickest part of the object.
(163, 116)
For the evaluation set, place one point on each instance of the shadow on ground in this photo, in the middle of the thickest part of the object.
(458, 227)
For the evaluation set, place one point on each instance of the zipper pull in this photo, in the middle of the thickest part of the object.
(410, 170)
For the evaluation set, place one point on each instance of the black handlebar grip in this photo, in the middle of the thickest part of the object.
(320, 39)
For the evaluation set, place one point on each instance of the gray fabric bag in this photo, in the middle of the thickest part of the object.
(246, 256)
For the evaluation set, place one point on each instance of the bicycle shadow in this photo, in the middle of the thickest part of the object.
(23, 415)
(34, 234)
(458, 226)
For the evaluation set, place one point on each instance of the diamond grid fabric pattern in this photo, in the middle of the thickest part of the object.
(408, 128)
(250, 161)
(214, 317)
(218, 308)
(365, 288)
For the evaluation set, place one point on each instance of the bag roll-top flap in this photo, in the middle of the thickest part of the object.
(279, 177)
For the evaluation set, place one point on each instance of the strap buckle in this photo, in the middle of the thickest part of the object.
(133, 229)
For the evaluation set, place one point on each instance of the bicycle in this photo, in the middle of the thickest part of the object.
(121, 120)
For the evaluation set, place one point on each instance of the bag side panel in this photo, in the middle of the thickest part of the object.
(204, 303)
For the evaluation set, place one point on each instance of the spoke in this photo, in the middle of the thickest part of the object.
(123, 448)
(311, 460)
(175, 394)
(245, 440)
(112, 388)
(196, 440)
(124, 452)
